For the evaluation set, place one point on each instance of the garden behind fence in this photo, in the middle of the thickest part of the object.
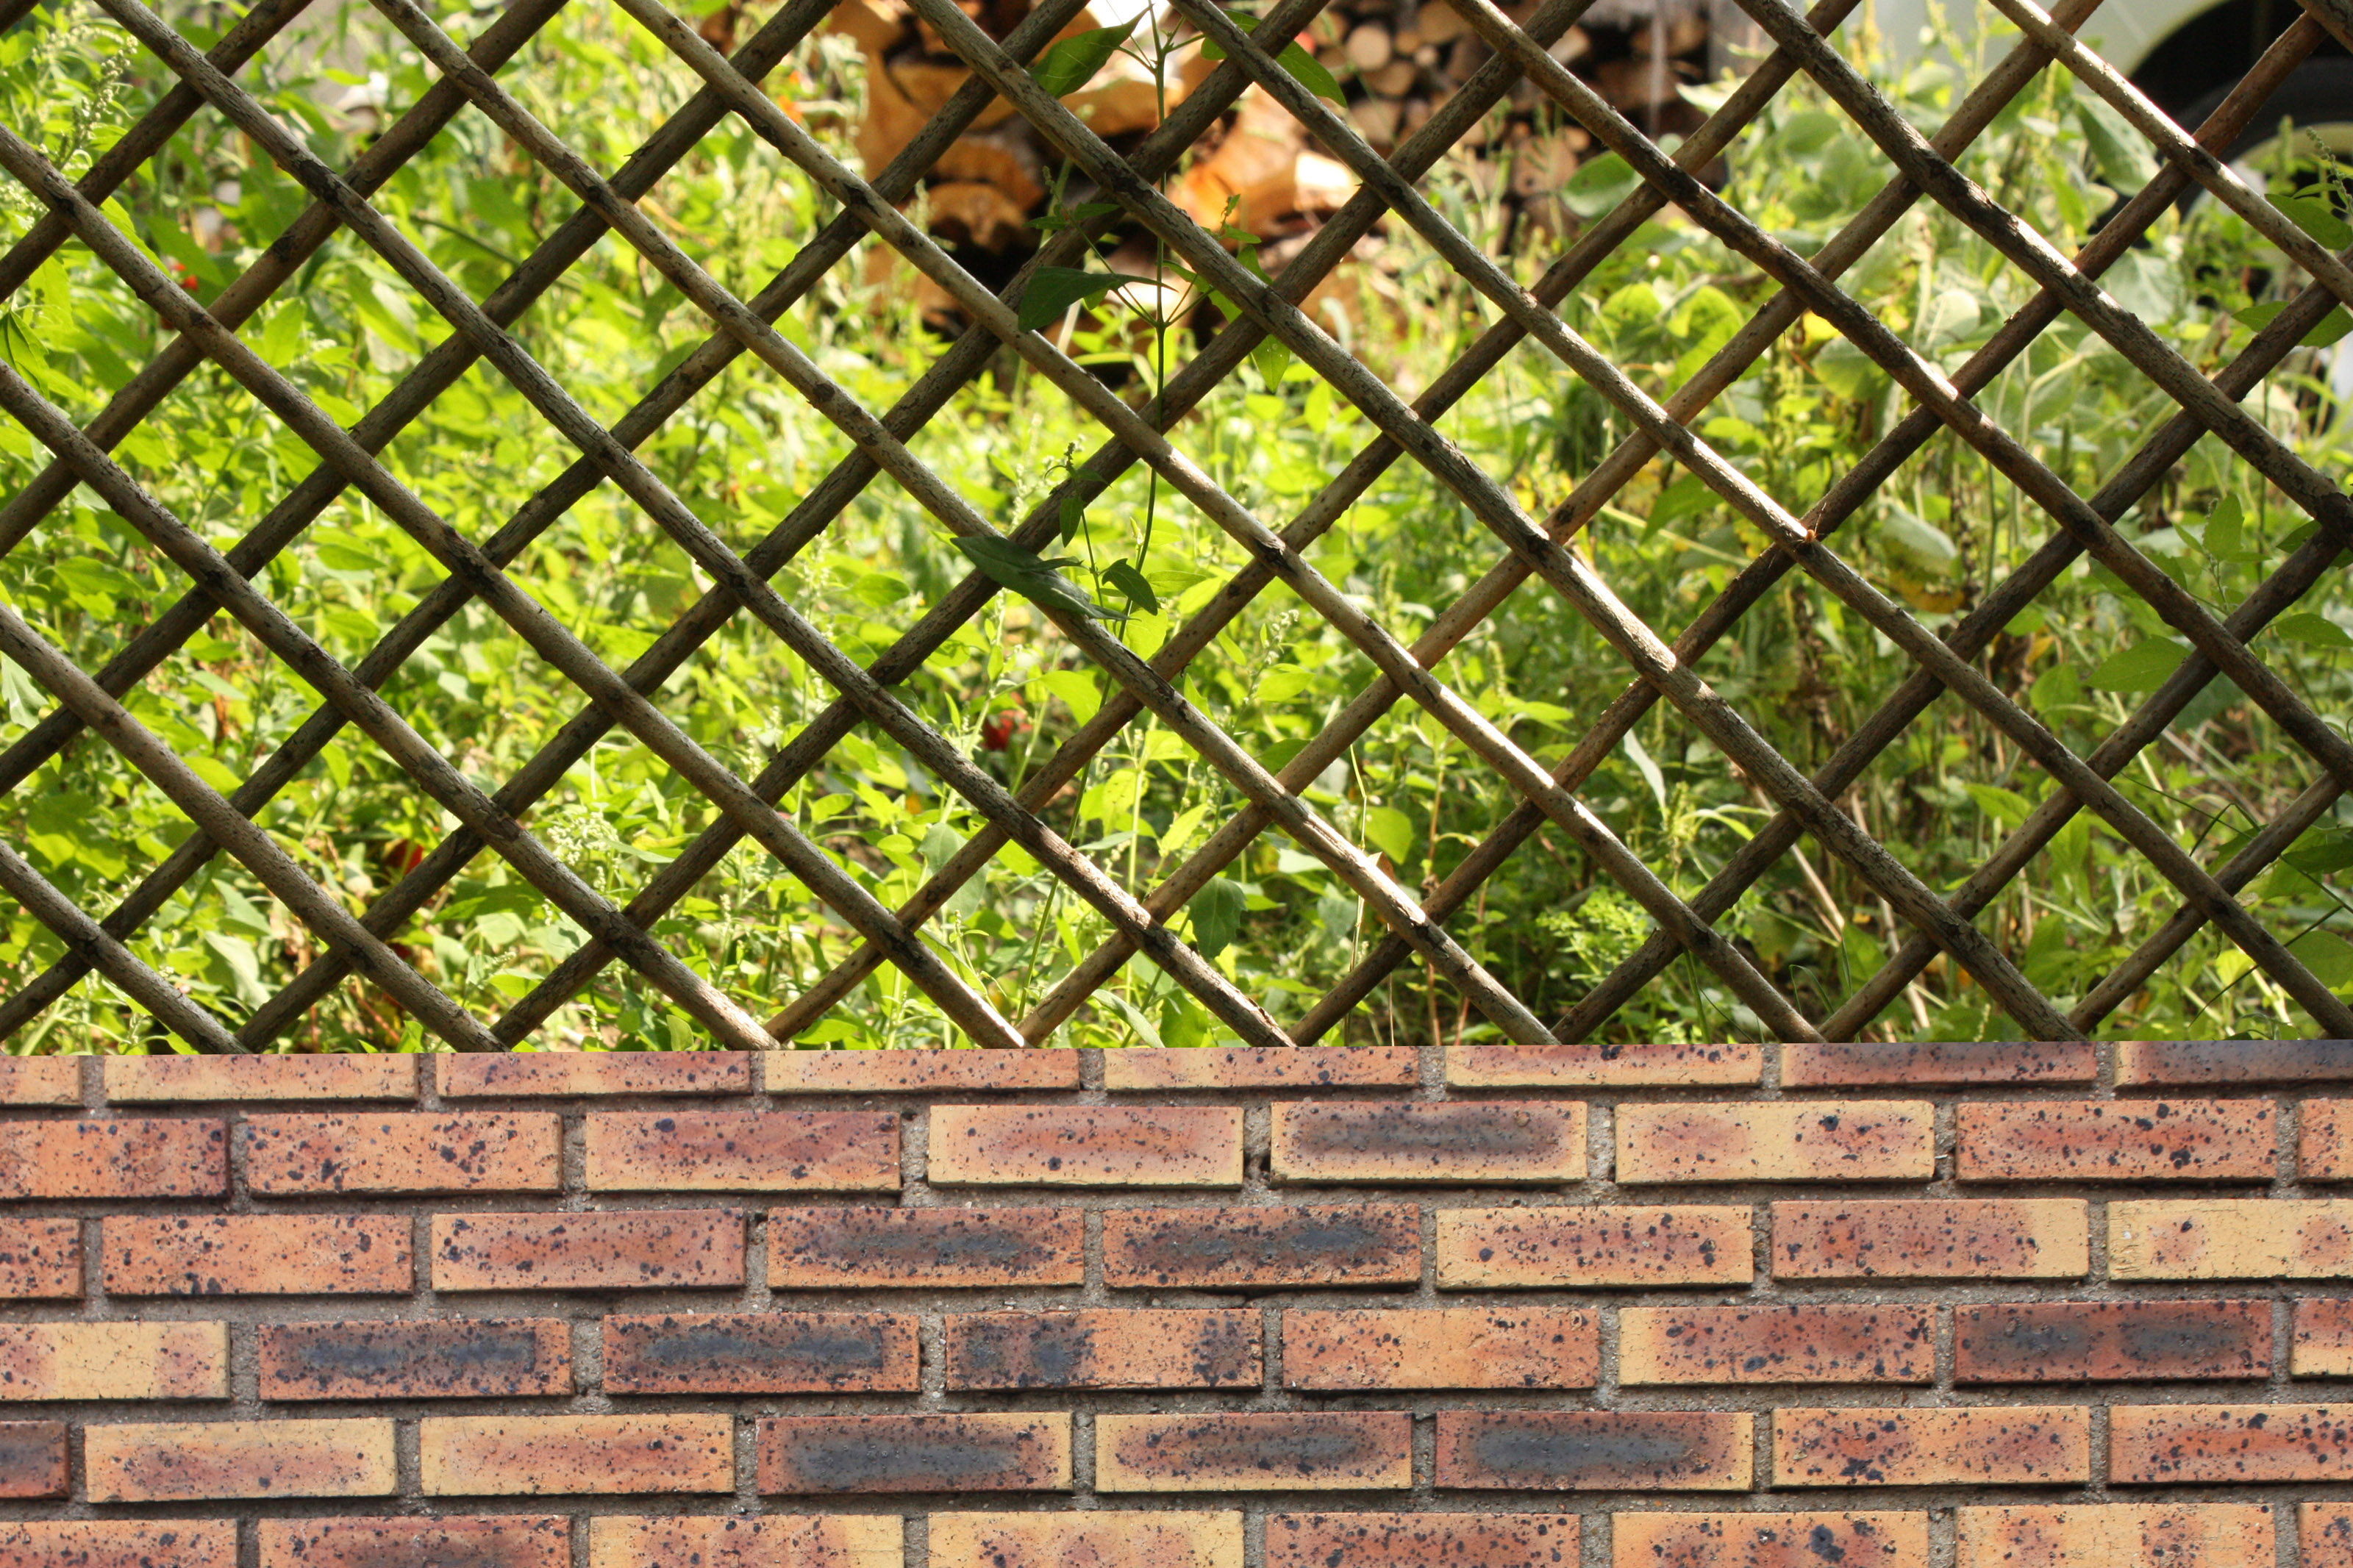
(1164, 931)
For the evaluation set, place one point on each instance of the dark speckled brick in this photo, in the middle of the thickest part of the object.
(402, 1152)
(446, 1359)
(2111, 1342)
(1989, 1446)
(1466, 1141)
(938, 1248)
(32, 1458)
(998, 1452)
(123, 1157)
(1595, 1450)
(2233, 1061)
(1290, 1450)
(1231, 1248)
(1782, 1541)
(765, 1352)
(2228, 1445)
(1097, 1349)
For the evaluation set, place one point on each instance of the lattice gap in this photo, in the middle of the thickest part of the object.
(751, 582)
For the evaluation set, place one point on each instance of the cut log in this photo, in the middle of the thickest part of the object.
(1439, 24)
(1394, 79)
(966, 212)
(878, 26)
(1369, 47)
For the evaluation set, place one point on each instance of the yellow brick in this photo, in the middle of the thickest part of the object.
(1133, 1540)
(771, 1540)
(1768, 1540)
(189, 1461)
(113, 1361)
(1783, 1141)
(524, 1455)
(2117, 1535)
(2230, 1238)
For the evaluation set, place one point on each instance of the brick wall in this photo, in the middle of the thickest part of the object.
(1651, 1307)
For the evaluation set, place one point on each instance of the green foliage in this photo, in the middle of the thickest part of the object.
(746, 453)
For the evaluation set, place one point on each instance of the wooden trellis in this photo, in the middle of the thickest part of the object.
(1532, 547)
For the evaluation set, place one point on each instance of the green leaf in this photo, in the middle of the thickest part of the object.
(940, 844)
(1391, 832)
(2225, 538)
(2327, 956)
(2321, 850)
(1218, 916)
(245, 966)
(1598, 186)
(2006, 806)
(2312, 630)
(1271, 355)
(1310, 74)
(2318, 218)
(1073, 515)
(1072, 63)
(1077, 690)
(2144, 667)
(1011, 566)
(1054, 290)
(2330, 328)
(2122, 158)
(1649, 768)
(1124, 578)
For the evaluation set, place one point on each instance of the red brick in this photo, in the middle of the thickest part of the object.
(917, 1072)
(1269, 1248)
(1628, 1065)
(114, 1157)
(1596, 1450)
(1099, 1349)
(1761, 1344)
(1932, 1238)
(402, 1152)
(2323, 1140)
(2228, 1445)
(2324, 1534)
(33, 1460)
(1466, 1347)
(2111, 1342)
(761, 1352)
(1467, 1141)
(41, 1260)
(937, 1248)
(2118, 1536)
(2119, 1140)
(1421, 1540)
(257, 1255)
(2230, 1238)
(1289, 1450)
(772, 1540)
(113, 1361)
(119, 1544)
(1768, 1540)
(40, 1080)
(1086, 1145)
(454, 1358)
(2233, 1061)
(518, 1074)
(1987, 1446)
(846, 1454)
(238, 1459)
(530, 1455)
(634, 1249)
(1124, 1537)
(1581, 1247)
(510, 1541)
(260, 1078)
(1856, 1063)
(742, 1150)
(2323, 1340)
(1262, 1066)
(1778, 1141)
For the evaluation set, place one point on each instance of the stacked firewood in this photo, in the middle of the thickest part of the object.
(1257, 172)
